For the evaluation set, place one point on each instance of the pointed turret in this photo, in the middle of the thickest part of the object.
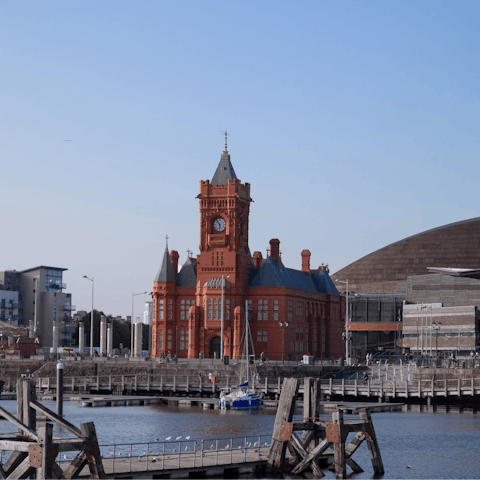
(166, 272)
(225, 169)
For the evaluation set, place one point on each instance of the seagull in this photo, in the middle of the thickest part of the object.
(211, 447)
(255, 444)
(173, 451)
(139, 459)
(154, 460)
(408, 466)
(112, 454)
(155, 439)
(239, 447)
(186, 448)
(227, 447)
(65, 457)
(179, 438)
(188, 438)
(168, 439)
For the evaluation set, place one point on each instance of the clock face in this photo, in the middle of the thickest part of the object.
(219, 224)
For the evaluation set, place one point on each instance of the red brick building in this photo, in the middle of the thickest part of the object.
(187, 304)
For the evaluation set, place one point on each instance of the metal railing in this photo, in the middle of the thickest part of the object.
(181, 453)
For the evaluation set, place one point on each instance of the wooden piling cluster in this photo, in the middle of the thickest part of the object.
(34, 450)
(299, 446)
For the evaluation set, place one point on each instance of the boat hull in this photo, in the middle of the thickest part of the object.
(241, 402)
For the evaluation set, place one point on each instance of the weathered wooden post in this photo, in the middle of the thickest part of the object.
(328, 438)
(34, 453)
(337, 435)
(48, 450)
(372, 443)
(281, 435)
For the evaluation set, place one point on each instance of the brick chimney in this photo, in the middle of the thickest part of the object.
(275, 249)
(306, 261)
(174, 258)
(257, 259)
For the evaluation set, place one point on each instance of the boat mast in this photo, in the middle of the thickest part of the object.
(247, 338)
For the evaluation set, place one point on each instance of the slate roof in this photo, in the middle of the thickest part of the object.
(187, 277)
(272, 275)
(166, 273)
(224, 170)
(217, 283)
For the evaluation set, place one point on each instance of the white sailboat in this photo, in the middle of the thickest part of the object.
(241, 398)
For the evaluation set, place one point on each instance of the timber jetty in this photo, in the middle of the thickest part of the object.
(191, 379)
(35, 453)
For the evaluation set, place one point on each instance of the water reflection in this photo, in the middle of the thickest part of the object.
(434, 441)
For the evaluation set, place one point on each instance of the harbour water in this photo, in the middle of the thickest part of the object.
(417, 443)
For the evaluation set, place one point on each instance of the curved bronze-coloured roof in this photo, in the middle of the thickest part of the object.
(456, 245)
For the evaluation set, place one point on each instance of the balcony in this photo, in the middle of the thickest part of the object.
(53, 286)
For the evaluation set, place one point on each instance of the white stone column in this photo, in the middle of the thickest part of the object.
(138, 339)
(103, 336)
(110, 339)
(81, 338)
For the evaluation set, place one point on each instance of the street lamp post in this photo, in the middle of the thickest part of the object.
(36, 279)
(221, 323)
(283, 326)
(132, 342)
(436, 326)
(347, 333)
(91, 318)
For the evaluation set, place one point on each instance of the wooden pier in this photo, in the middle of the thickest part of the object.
(191, 386)
(35, 453)
(34, 450)
(312, 443)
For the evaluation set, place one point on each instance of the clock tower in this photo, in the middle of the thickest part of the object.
(224, 211)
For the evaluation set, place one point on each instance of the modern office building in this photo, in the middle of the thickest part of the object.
(441, 312)
(147, 314)
(10, 282)
(375, 323)
(9, 306)
(41, 302)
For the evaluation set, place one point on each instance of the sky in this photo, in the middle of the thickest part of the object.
(356, 124)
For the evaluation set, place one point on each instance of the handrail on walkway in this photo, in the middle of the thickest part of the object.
(182, 453)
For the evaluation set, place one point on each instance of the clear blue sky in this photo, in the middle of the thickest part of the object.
(356, 124)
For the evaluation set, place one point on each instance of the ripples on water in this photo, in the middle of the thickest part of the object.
(444, 444)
